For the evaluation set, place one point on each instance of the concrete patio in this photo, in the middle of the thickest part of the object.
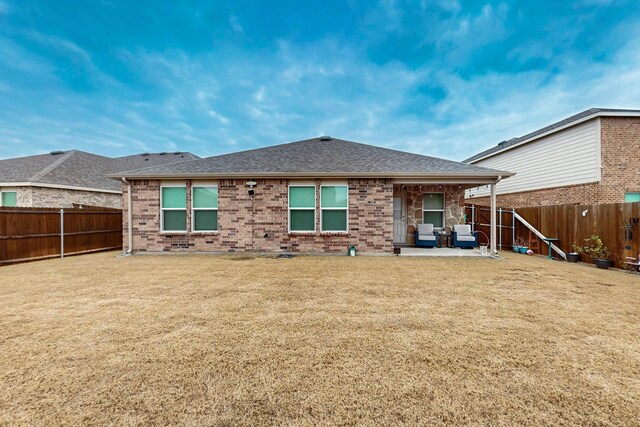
(441, 252)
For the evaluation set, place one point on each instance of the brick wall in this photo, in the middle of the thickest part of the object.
(260, 223)
(43, 197)
(620, 140)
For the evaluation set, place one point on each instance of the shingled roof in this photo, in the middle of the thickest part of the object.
(317, 157)
(76, 168)
(569, 121)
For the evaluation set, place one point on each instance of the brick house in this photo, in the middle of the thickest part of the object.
(589, 158)
(62, 179)
(316, 195)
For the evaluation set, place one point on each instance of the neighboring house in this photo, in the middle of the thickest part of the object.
(66, 178)
(589, 158)
(317, 195)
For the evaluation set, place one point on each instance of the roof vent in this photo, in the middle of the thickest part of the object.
(145, 154)
(163, 153)
(177, 152)
(55, 153)
(501, 143)
(325, 138)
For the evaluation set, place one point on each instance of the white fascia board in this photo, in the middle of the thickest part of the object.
(60, 186)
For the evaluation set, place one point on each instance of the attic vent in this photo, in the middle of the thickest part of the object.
(501, 143)
(163, 153)
(325, 138)
(177, 152)
(55, 153)
(145, 154)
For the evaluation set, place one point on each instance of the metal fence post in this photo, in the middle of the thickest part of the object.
(61, 233)
(513, 227)
(473, 218)
(500, 228)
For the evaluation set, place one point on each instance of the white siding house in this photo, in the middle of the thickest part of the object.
(566, 157)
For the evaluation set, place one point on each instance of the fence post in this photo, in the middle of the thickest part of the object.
(500, 228)
(513, 227)
(473, 218)
(61, 233)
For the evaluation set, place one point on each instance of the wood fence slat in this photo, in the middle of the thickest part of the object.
(568, 223)
(34, 233)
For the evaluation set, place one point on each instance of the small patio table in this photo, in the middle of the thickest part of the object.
(549, 240)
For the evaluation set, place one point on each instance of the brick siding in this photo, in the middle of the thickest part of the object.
(620, 139)
(44, 197)
(260, 224)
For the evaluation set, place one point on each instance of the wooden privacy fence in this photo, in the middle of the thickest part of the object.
(616, 223)
(37, 233)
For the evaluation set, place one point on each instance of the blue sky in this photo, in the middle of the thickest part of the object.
(444, 78)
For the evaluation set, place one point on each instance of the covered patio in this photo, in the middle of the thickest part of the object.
(439, 202)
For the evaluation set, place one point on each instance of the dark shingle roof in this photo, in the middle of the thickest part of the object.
(316, 157)
(576, 117)
(78, 168)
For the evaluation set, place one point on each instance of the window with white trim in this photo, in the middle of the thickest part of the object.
(173, 204)
(433, 209)
(334, 206)
(302, 208)
(8, 198)
(204, 207)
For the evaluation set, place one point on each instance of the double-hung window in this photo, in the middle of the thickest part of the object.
(302, 208)
(334, 205)
(433, 209)
(173, 212)
(204, 207)
(8, 198)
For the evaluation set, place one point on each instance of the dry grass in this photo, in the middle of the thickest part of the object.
(211, 340)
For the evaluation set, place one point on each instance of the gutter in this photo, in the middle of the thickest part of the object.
(288, 175)
(129, 217)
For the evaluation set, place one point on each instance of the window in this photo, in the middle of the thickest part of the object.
(204, 207)
(631, 197)
(433, 209)
(173, 214)
(302, 208)
(9, 198)
(334, 207)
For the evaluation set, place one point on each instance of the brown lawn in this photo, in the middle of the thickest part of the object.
(211, 340)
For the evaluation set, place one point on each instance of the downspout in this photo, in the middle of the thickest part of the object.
(129, 217)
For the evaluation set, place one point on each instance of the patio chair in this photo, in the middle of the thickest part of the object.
(633, 264)
(463, 237)
(425, 236)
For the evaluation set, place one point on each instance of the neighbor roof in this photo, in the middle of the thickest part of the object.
(569, 121)
(317, 157)
(79, 169)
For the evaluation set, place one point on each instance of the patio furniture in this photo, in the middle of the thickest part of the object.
(633, 264)
(425, 237)
(550, 240)
(444, 238)
(463, 237)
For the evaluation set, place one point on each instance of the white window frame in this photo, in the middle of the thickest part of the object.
(444, 204)
(315, 207)
(336, 184)
(168, 184)
(206, 184)
(8, 190)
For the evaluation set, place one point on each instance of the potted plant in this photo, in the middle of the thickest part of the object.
(596, 250)
(573, 256)
(521, 242)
